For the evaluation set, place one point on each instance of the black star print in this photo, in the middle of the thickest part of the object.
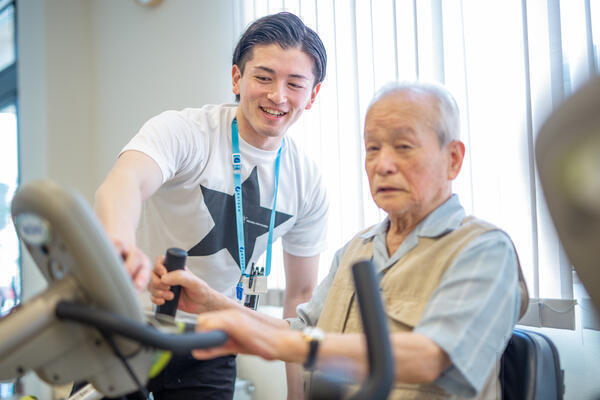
(222, 210)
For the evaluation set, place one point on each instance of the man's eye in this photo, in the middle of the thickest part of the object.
(403, 147)
(262, 78)
(296, 86)
(372, 148)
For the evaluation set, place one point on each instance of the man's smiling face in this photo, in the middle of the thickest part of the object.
(275, 87)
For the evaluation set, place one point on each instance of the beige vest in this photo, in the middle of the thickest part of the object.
(406, 288)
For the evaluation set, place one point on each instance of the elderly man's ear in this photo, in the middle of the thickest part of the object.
(456, 153)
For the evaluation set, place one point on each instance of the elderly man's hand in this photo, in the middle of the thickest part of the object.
(137, 263)
(249, 335)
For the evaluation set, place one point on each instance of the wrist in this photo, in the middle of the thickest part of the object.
(214, 300)
(313, 336)
(292, 347)
(121, 241)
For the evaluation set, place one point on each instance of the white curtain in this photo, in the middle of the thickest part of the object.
(508, 64)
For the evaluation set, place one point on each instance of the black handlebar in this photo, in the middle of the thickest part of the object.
(381, 361)
(331, 384)
(144, 334)
(174, 260)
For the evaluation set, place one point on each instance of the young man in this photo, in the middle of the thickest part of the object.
(177, 178)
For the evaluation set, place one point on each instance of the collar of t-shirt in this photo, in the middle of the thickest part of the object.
(255, 154)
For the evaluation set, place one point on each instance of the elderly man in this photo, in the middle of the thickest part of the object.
(450, 282)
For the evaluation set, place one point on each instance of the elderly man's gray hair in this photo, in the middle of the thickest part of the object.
(448, 123)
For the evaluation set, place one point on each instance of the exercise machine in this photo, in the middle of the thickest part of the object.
(568, 160)
(88, 325)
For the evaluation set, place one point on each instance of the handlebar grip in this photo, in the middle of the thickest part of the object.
(381, 361)
(333, 383)
(174, 260)
(147, 335)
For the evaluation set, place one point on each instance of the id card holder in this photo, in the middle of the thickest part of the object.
(256, 284)
(250, 287)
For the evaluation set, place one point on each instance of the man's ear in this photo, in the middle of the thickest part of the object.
(456, 153)
(313, 96)
(236, 75)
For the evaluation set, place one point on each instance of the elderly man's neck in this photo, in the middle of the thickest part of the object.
(401, 225)
(399, 229)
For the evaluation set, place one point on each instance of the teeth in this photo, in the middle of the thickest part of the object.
(273, 112)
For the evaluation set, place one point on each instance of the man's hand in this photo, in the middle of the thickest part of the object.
(196, 296)
(136, 263)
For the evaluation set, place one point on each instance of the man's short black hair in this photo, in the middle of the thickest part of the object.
(286, 30)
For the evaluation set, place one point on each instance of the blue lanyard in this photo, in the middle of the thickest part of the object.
(236, 159)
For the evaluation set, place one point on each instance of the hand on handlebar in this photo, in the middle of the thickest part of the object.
(196, 296)
(136, 262)
(248, 335)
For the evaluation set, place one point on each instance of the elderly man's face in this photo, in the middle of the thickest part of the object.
(409, 174)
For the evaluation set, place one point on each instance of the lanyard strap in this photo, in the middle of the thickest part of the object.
(273, 211)
(236, 159)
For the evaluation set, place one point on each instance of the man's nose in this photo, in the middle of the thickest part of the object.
(386, 162)
(277, 93)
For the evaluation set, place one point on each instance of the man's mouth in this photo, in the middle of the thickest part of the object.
(387, 189)
(272, 112)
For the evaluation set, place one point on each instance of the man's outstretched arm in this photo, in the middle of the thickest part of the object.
(417, 358)
(133, 178)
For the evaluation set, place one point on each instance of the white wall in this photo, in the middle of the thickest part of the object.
(148, 60)
(92, 71)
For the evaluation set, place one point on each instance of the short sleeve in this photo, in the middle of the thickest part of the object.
(171, 140)
(472, 312)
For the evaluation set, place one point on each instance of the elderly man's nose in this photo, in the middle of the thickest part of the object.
(386, 163)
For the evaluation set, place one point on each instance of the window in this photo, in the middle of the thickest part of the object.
(9, 244)
(508, 64)
(10, 284)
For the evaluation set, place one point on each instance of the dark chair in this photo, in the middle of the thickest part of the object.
(530, 368)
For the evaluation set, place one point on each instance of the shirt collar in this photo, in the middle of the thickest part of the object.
(446, 218)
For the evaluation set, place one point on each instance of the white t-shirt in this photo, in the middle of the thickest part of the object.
(194, 207)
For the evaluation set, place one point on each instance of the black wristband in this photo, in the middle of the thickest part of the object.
(311, 359)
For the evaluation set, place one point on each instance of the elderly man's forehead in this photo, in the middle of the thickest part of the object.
(399, 108)
(403, 98)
